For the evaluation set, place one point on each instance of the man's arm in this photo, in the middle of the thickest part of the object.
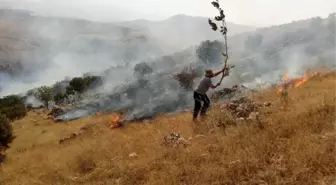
(214, 86)
(217, 73)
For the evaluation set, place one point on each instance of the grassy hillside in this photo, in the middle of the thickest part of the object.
(288, 146)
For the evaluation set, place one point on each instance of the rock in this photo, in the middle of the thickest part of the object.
(253, 116)
(199, 136)
(242, 108)
(175, 139)
(133, 155)
(267, 104)
(205, 155)
(183, 141)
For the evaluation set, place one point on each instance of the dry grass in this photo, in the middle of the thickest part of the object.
(293, 146)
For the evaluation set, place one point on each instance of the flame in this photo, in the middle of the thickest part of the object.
(115, 122)
(99, 113)
(285, 76)
(286, 81)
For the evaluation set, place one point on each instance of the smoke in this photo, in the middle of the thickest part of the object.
(33, 101)
(69, 48)
(49, 49)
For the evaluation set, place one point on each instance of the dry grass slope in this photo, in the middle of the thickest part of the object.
(293, 146)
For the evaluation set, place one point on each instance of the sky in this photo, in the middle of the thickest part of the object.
(249, 12)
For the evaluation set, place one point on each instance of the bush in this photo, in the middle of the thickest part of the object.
(6, 132)
(12, 107)
(186, 78)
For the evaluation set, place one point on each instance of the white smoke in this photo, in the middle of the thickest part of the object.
(69, 48)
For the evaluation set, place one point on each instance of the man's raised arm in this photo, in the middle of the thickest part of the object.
(217, 73)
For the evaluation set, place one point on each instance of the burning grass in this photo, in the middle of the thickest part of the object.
(293, 146)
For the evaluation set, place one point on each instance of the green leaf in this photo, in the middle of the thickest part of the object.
(224, 54)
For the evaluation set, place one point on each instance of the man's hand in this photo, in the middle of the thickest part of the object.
(215, 86)
(226, 72)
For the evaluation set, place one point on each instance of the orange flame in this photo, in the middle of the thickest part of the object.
(284, 83)
(294, 82)
(115, 122)
(99, 113)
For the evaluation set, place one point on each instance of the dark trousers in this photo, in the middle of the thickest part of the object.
(199, 99)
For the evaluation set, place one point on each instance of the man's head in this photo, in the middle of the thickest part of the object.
(209, 73)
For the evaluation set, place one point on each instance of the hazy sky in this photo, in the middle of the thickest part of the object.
(252, 12)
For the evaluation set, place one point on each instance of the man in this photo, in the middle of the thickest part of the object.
(200, 93)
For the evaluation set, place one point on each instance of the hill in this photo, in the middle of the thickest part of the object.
(33, 46)
(182, 31)
(295, 145)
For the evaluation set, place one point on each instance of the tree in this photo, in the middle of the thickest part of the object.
(6, 132)
(77, 84)
(92, 81)
(210, 51)
(45, 94)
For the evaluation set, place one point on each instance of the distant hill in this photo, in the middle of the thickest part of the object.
(181, 31)
(29, 42)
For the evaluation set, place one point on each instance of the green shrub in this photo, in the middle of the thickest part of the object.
(12, 107)
(6, 132)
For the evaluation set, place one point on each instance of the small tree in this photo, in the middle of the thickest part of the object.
(6, 132)
(45, 94)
